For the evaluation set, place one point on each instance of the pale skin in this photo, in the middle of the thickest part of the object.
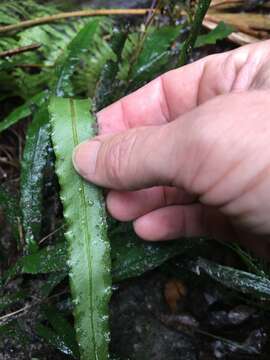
(189, 153)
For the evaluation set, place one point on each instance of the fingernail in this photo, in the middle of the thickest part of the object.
(85, 157)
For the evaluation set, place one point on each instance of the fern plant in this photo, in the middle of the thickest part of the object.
(80, 67)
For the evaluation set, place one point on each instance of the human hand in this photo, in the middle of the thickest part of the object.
(189, 153)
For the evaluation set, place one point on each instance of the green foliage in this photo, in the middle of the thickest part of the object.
(12, 12)
(49, 259)
(238, 280)
(132, 257)
(220, 32)
(71, 57)
(54, 339)
(55, 40)
(144, 56)
(155, 45)
(105, 89)
(63, 334)
(23, 111)
(33, 164)
(201, 9)
(89, 258)
(9, 204)
(155, 55)
(55, 278)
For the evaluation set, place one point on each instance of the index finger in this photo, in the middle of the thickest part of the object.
(174, 93)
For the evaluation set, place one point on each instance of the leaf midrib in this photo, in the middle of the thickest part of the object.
(87, 232)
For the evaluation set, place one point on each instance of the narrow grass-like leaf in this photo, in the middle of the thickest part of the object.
(254, 265)
(238, 280)
(71, 57)
(132, 257)
(23, 111)
(201, 9)
(10, 206)
(89, 255)
(34, 161)
(220, 32)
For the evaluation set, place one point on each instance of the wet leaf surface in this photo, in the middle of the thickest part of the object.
(244, 282)
(32, 173)
(84, 212)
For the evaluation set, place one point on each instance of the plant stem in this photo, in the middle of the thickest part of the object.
(187, 48)
(19, 50)
(66, 15)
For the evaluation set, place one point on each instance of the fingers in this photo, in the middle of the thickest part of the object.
(135, 159)
(174, 222)
(205, 154)
(170, 223)
(126, 206)
(179, 91)
(164, 155)
(177, 221)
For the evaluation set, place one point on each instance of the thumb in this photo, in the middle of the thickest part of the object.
(133, 159)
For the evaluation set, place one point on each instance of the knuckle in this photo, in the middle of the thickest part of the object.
(119, 156)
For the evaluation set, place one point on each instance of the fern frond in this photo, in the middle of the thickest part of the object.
(20, 79)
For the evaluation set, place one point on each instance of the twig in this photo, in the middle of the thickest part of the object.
(66, 15)
(143, 35)
(29, 306)
(4, 317)
(19, 50)
(52, 233)
(34, 66)
(20, 231)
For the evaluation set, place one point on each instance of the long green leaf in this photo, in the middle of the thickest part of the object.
(33, 164)
(238, 280)
(23, 111)
(132, 257)
(89, 255)
(71, 57)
